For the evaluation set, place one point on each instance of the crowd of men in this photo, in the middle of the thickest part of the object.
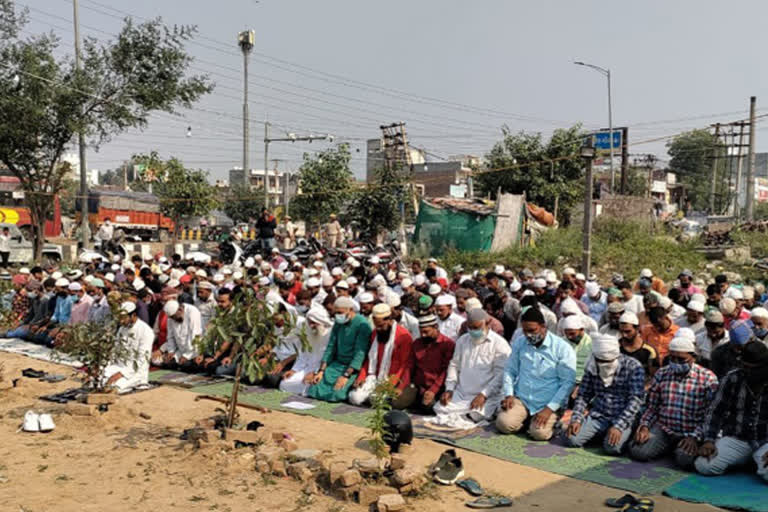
(644, 368)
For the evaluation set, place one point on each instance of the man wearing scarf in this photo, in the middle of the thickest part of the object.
(678, 397)
(318, 330)
(390, 357)
(740, 413)
(613, 389)
(537, 380)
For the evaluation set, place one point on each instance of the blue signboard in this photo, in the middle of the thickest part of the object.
(601, 140)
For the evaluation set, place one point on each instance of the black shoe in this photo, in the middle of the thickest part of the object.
(445, 457)
(448, 474)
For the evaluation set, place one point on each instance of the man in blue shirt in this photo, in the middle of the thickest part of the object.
(613, 388)
(538, 378)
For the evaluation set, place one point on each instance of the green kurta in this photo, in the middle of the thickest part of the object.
(583, 351)
(347, 348)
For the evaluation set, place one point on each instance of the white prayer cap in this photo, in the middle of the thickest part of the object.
(164, 267)
(394, 300)
(381, 311)
(115, 267)
(734, 293)
(647, 273)
(573, 322)
(74, 287)
(684, 341)
(355, 264)
(75, 274)
(174, 283)
(629, 317)
(349, 261)
(419, 280)
(138, 285)
(263, 281)
(605, 347)
(748, 292)
(337, 271)
(443, 300)
(289, 277)
(569, 307)
(109, 276)
(128, 265)
(328, 281)
(406, 283)
(171, 307)
(318, 264)
(237, 274)
(695, 305)
(697, 297)
(312, 272)
(498, 269)
(320, 316)
(162, 278)
(313, 282)
(176, 273)
(275, 250)
(592, 288)
(344, 303)
(258, 258)
(56, 275)
(205, 285)
(352, 280)
(127, 307)
(472, 303)
(62, 282)
(539, 283)
(665, 302)
(569, 271)
(343, 285)
(249, 261)
(366, 298)
(163, 259)
(89, 278)
(727, 306)
(580, 277)
(527, 293)
(190, 269)
(759, 313)
(391, 275)
(378, 280)
(374, 260)
(432, 260)
(116, 258)
(435, 289)
(515, 286)
(226, 271)
(218, 278)
(201, 273)
(283, 266)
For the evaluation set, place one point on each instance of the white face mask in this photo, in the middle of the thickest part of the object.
(607, 371)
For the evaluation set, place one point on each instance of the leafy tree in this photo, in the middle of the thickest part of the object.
(45, 101)
(691, 158)
(182, 192)
(243, 203)
(523, 162)
(326, 185)
(376, 208)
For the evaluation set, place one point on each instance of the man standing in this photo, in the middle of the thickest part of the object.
(432, 353)
(105, 233)
(5, 247)
(537, 379)
(613, 389)
(137, 337)
(596, 301)
(678, 398)
(333, 232)
(289, 242)
(473, 380)
(740, 413)
(344, 355)
(389, 358)
(266, 226)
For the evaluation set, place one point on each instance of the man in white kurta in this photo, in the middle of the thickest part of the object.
(137, 337)
(318, 329)
(473, 382)
(184, 325)
(448, 322)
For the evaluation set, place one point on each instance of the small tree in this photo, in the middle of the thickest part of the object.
(45, 101)
(243, 204)
(376, 208)
(381, 404)
(326, 184)
(251, 324)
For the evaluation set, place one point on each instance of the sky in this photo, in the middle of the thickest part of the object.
(454, 71)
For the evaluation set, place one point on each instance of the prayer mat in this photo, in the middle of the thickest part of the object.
(35, 351)
(181, 379)
(743, 491)
(584, 464)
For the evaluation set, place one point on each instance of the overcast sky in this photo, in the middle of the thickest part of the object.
(454, 71)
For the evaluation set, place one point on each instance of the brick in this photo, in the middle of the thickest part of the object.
(262, 466)
(336, 469)
(278, 468)
(277, 437)
(371, 493)
(370, 466)
(397, 462)
(405, 476)
(390, 503)
(311, 488)
(300, 471)
(100, 398)
(270, 453)
(244, 436)
(414, 486)
(350, 477)
(76, 409)
(289, 445)
(207, 424)
(300, 455)
(347, 493)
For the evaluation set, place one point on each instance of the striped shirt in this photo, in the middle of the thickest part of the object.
(737, 411)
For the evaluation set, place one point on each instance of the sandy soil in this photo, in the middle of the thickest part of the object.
(121, 461)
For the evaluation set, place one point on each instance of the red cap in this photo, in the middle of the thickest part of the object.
(185, 279)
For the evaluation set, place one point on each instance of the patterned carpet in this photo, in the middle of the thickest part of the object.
(737, 491)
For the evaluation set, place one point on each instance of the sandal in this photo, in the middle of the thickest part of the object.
(640, 507)
(628, 500)
(471, 486)
(490, 502)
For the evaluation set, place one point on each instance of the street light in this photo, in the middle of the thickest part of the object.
(606, 73)
(245, 40)
(587, 154)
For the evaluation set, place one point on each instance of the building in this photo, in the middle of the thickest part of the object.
(438, 179)
(375, 158)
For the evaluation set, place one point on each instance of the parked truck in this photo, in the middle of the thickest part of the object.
(135, 213)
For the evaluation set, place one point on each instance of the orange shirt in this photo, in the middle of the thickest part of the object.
(659, 340)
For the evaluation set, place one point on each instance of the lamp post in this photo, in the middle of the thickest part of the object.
(245, 40)
(588, 154)
(606, 73)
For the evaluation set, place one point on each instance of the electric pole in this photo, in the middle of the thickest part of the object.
(84, 238)
(246, 40)
(713, 176)
(588, 154)
(750, 212)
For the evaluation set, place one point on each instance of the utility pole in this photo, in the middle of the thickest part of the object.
(624, 160)
(713, 175)
(607, 74)
(266, 164)
(739, 175)
(246, 40)
(588, 154)
(84, 238)
(750, 212)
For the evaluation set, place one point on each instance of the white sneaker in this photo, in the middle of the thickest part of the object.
(46, 423)
(31, 422)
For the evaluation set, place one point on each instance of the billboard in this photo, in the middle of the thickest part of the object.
(602, 141)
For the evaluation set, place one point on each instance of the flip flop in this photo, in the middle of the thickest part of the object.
(471, 486)
(490, 502)
(640, 507)
(628, 500)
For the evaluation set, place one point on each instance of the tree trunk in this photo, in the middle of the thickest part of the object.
(38, 235)
(233, 397)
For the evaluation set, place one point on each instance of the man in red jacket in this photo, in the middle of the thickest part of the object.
(432, 354)
(390, 357)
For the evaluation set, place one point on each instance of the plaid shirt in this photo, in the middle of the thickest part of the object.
(618, 403)
(737, 411)
(678, 403)
(20, 306)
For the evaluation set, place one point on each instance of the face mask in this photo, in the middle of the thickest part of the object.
(760, 332)
(679, 368)
(477, 334)
(607, 371)
(61, 294)
(428, 339)
(535, 339)
(575, 340)
(302, 309)
(685, 285)
(341, 319)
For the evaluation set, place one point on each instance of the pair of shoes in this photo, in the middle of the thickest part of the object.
(32, 373)
(629, 503)
(34, 422)
(448, 468)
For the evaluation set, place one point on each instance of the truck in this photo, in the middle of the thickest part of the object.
(135, 213)
(14, 211)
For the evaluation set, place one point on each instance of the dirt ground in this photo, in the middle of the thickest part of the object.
(121, 461)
